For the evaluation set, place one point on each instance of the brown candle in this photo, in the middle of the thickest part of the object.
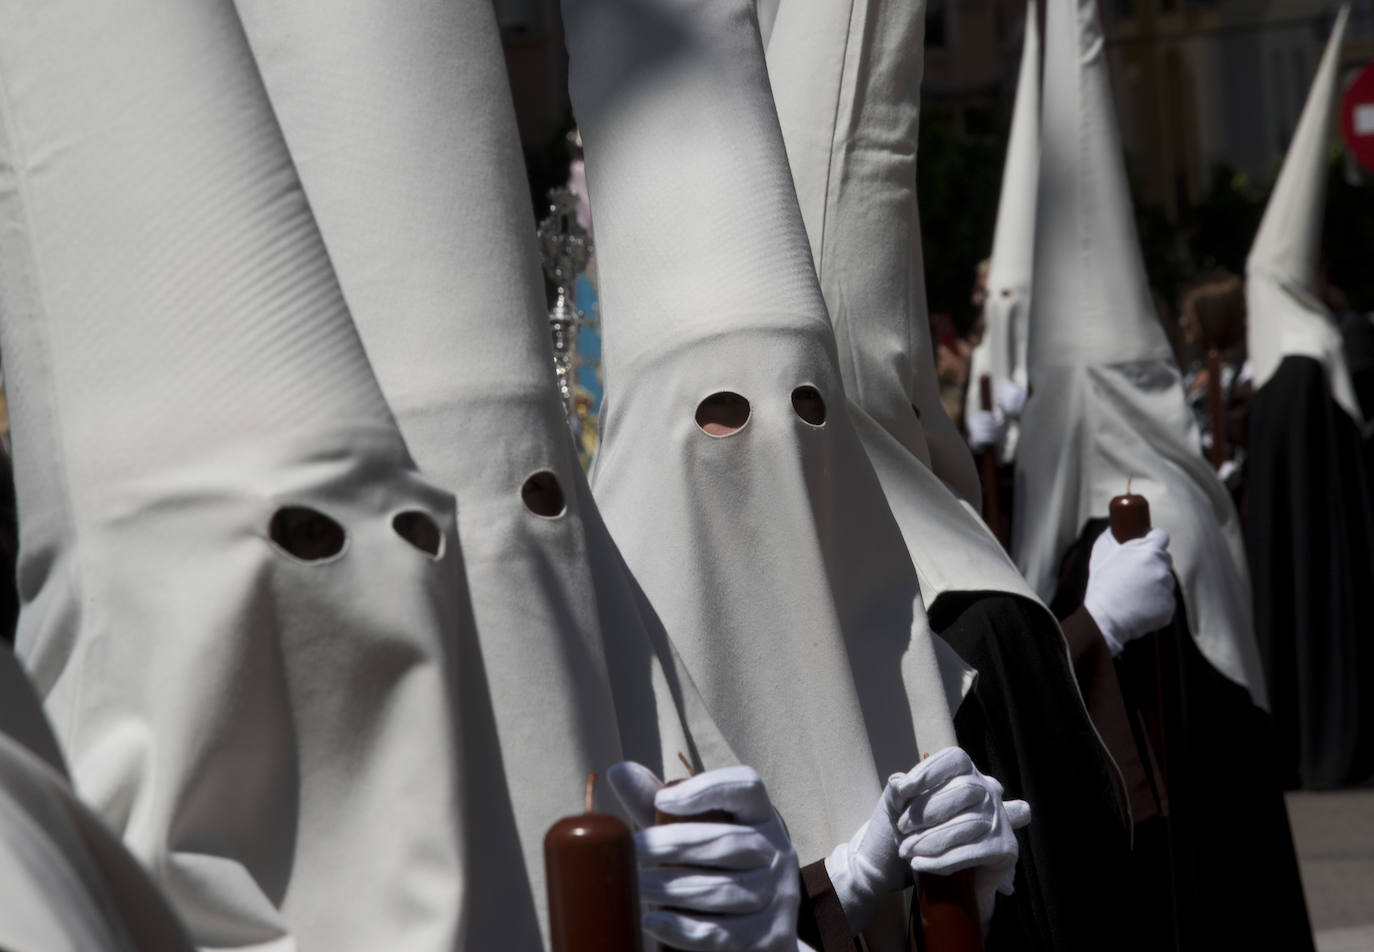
(949, 912)
(948, 906)
(1129, 515)
(708, 816)
(593, 884)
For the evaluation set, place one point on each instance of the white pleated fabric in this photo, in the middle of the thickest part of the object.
(850, 126)
(769, 553)
(1001, 354)
(1108, 402)
(268, 718)
(403, 132)
(846, 77)
(66, 883)
(1286, 314)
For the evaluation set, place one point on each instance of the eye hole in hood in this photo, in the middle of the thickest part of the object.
(420, 531)
(809, 404)
(723, 413)
(306, 534)
(543, 496)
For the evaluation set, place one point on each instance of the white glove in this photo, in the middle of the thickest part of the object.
(1130, 587)
(984, 430)
(1011, 397)
(868, 867)
(712, 886)
(956, 819)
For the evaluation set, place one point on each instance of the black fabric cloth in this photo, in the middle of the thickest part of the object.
(1235, 881)
(1357, 333)
(1309, 526)
(9, 551)
(1116, 722)
(1024, 724)
(820, 919)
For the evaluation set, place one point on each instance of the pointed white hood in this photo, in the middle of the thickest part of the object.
(1286, 314)
(1001, 354)
(1107, 401)
(402, 129)
(846, 76)
(768, 552)
(240, 601)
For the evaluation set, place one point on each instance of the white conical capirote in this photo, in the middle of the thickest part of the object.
(1093, 304)
(196, 348)
(1001, 354)
(702, 207)
(846, 76)
(847, 79)
(1107, 401)
(1013, 241)
(1286, 314)
(743, 540)
(267, 730)
(402, 128)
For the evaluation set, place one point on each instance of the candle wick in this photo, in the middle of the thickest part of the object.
(590, 795)
(1128, 484)
(686, 763)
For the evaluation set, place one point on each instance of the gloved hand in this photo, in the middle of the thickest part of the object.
(984, 430)
(956, 819)
(868, 867)
(1130, 587)
(712, 886)
(1010, 396)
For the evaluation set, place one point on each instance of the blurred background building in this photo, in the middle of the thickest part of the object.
(1208, 93)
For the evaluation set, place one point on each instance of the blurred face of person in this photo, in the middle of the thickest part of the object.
(1191, 328)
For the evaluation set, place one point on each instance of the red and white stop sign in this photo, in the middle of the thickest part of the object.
(1357, 118)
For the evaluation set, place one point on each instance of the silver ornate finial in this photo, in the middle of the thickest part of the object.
(565, 248)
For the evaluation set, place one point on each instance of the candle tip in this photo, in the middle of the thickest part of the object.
(1128, 484)
(686, 763)
(590, 794)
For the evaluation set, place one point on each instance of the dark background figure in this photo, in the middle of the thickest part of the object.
(1212, 839)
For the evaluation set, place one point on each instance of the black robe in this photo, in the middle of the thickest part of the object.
(1024, 724)
(1309, 526)
(9, 551)
(1227, 840)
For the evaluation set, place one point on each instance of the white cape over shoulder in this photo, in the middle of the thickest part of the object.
(66, 883)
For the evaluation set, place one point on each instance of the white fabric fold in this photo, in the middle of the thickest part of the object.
(849, 120)
(1001, 354)
(66, 884)
(250, 667)
(1107, 402)
(769, 552)
(1286, 314)
(846, 76)
(401, 126)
